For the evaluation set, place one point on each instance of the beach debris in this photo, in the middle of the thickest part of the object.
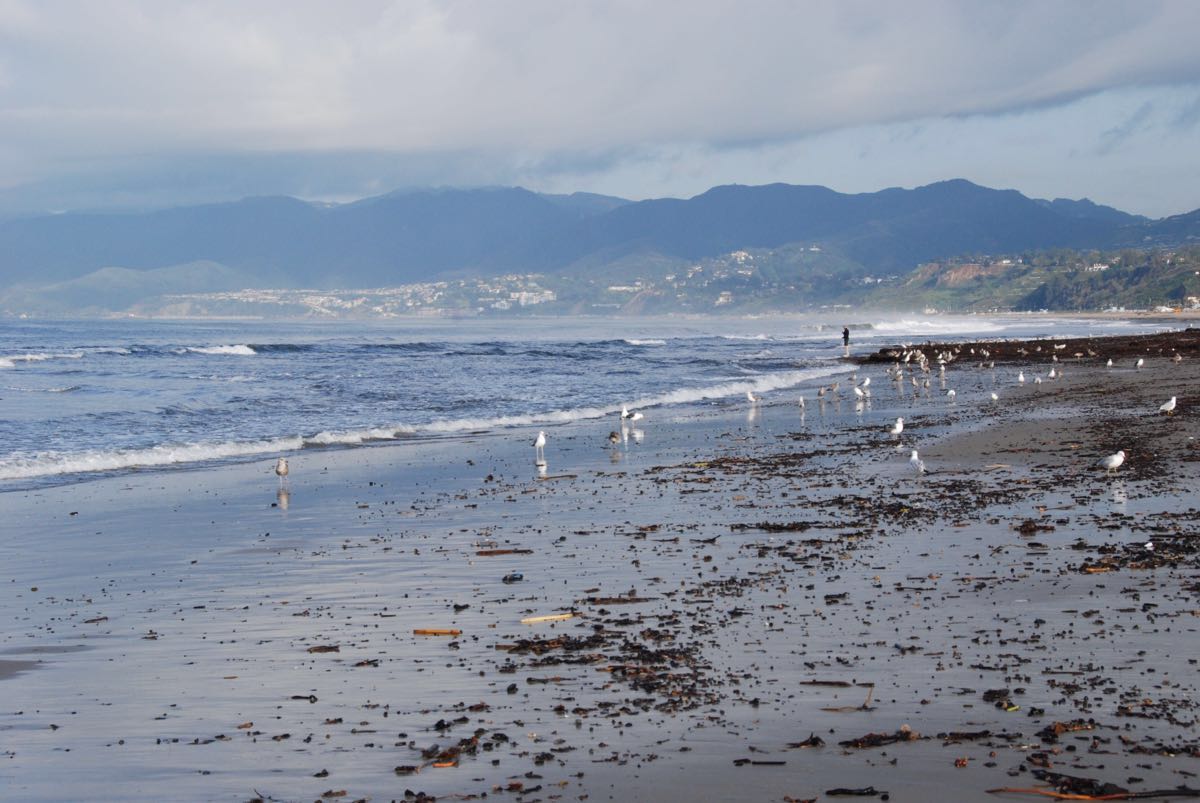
(436, 631)
(905, 734)
(553, 617)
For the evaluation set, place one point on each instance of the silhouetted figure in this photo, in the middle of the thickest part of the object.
(846, 336)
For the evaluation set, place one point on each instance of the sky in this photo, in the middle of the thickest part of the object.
(152, 103)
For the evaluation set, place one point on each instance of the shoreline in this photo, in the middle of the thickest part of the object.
(743, 583)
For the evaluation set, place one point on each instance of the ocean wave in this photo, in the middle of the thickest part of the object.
(49, 464)
(66, 389)
(11, 360)
(238, 350)
(56, 463)
(354, 437)
(633, 341)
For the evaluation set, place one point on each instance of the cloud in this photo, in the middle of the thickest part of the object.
(484, 90)
(421, 76)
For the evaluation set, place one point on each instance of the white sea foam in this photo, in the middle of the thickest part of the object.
(239, 350)
(941, 326)
(648, 342)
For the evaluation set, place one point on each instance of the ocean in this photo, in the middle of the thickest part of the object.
(83, 399)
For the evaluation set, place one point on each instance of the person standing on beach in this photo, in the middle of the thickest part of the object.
(846, 336)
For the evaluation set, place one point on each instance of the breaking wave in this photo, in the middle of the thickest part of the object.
(239, 350)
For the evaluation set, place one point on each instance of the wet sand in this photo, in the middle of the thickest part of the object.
(747, 603)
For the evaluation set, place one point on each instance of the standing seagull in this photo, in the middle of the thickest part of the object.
(916, 462)
(1140, 363)
(897, 428)
(281, 470)
(1021, 377)
(1113, 461)
(1109, 362)
(539, 449)
(750, 397)
(1168, 407)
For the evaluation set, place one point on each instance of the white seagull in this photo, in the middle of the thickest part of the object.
(625, 414)
(1168, 407)
(801, 400)
(539, 448)
(950, 394)
(1139, 363)
(750, 397)
(1113, 461)
(898, 427)
(994, 396)
(916, 462)
(1110, 362)
(281, 470)
(866, 381)
(859, 392)
(1021, 377)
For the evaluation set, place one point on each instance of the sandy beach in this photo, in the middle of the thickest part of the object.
(747, 602)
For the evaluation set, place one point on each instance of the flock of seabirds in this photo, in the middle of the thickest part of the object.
(913, 359)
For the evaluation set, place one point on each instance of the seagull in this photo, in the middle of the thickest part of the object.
(1052, 373)
(994, 396)
(950, 394)
(1168, 407)
(916, 462)
(636, 416)
(1177, 358)
(539, 448)
(898, 427)
(281, 470)
(859, 392)
(1148, 546)
(1021, 377)
(866, 381)
(801, 400)
(1110, 362)
(1037, 380)
(1113, 461)
(614, 438)
(750, 397)
(1140, 363)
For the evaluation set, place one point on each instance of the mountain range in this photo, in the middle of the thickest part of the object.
(422, 235)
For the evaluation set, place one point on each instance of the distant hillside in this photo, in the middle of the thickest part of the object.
(1057, 280)
(421, 235)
